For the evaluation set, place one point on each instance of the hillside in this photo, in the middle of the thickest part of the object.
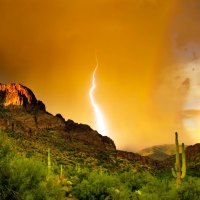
(165, 155)
(159, 152)
(82, 164)
(31, 130)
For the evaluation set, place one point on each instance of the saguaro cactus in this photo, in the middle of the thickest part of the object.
(78, 168)
(61, 171)
(179, 171)
(49, 161)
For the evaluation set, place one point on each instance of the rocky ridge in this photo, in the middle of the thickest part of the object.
(26, 120)
(26, 115)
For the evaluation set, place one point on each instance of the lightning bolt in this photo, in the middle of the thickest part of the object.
(101, 127)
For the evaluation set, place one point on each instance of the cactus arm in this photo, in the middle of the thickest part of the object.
(78, 169)
(61, 171)
(183, 169)
(49, 160)
(177, 167)
(174, 173)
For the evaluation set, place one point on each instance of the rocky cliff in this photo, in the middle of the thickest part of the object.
(21, 113)
(16, 95)
(193, 154)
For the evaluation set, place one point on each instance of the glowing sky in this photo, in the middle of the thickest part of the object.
(147, 85)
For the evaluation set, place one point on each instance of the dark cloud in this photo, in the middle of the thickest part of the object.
(186, 25)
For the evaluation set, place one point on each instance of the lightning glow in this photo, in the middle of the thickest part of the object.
(101, 127)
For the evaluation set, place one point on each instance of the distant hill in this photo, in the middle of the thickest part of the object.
(159, 152)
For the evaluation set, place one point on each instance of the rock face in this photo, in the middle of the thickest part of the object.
(21, 113)
(84, 133)
(193, 154)
(144, 160)
(17, 95)
(133, 157)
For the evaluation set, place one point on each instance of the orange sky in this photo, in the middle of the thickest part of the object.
(146, 51)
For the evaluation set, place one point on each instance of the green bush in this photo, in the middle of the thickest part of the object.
(190, 189)
(194, 171)
(100, 186)
(159, 190)
(135, 181)
(166, 190)
(24, 178)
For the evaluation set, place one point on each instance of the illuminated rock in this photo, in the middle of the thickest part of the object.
(17, 95)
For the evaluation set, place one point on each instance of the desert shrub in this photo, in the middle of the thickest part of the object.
(166, 190)
(3, 110)
(135, 181)
(159, 190)
(194, 171)
(102, 157)
(23, 178)
(100, 186)
(190, 189)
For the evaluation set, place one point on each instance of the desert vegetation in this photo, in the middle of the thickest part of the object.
(26, 177)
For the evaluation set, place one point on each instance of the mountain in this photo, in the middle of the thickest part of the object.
(193, 154)
(31, 130)
(23, 116)
(159, 152)
(26, 115)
